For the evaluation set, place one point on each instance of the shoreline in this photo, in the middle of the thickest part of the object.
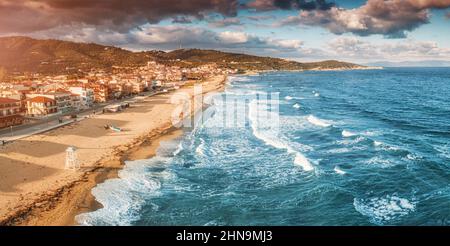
(60, 205)
(258, 72)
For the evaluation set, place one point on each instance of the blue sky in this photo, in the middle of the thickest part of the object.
(304, 30)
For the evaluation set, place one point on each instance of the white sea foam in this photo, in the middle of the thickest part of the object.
(371, 133)
(269, 136)
(122, 198)
(444, 150)
(240, 79)
(169, 148)
(379, 161)
(200, 147)
(339, 150)
(317, 95)
(178, 149)
(288, 98)
(381, 210)
(412, 157)
(339, 171)
(318, 122)
(297, 106)
(350, 141)
(347, 134)
(386, 147)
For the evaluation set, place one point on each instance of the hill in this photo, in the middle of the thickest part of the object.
(23, 54)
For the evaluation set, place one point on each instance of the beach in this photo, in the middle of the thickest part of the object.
(35, 187)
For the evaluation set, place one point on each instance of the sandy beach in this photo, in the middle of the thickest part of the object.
(35, 188)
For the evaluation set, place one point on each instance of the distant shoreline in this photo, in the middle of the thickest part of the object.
(257, 72)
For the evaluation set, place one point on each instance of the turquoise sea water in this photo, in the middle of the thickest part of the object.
(344, 148)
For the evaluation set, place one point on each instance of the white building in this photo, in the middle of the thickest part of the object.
(86, 96)
(63, 99)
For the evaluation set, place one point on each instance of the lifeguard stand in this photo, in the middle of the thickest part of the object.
(71, 159)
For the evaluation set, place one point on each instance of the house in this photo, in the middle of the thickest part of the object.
(86, 95)
(41, 106)
(16, 95)
(63, 99)
(10, 112)
(137, 87)
(101, 93)
(75, 102)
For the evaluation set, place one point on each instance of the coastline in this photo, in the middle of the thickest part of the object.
(257, 72)
(59, 200)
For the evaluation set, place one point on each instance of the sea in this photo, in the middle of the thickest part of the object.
(313, 148)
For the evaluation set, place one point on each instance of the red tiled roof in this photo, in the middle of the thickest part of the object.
(62, 91)
(8, 100)
(25, 91)
(41, 100)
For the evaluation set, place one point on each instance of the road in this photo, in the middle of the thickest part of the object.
(52, 122)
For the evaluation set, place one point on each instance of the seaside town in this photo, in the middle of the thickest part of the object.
(30, 101)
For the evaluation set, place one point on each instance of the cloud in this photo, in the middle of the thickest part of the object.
(261, 17)
(391, 18)
(268, 5)
(354, 48)
(183, 19)
(169, 37)
(22, 16)
(226, 22)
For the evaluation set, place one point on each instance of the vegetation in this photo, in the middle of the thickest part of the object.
(26, 55)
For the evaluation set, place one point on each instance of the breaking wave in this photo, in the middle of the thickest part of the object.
(269, 135)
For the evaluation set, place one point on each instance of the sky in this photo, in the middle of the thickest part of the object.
(303, 30)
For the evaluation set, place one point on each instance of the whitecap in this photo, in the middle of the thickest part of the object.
(317, 95)
(349, 141)
(371, 133)
(381, 210)
(318, 122)
(288, 98)
(269, 135)
(444, 151)
(339, 171)
(200, 147)
(339, 150)
(297, 106)
(378, 161)
(179, 149)
(412, 157)
(347, 134)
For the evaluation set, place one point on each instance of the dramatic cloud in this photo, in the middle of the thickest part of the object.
(21, 16)
(226, 22)
(172, 37)
(183, 19)
(387, 17)
(267, 5)
(355, 49)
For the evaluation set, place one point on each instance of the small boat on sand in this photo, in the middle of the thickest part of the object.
(114, 128)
